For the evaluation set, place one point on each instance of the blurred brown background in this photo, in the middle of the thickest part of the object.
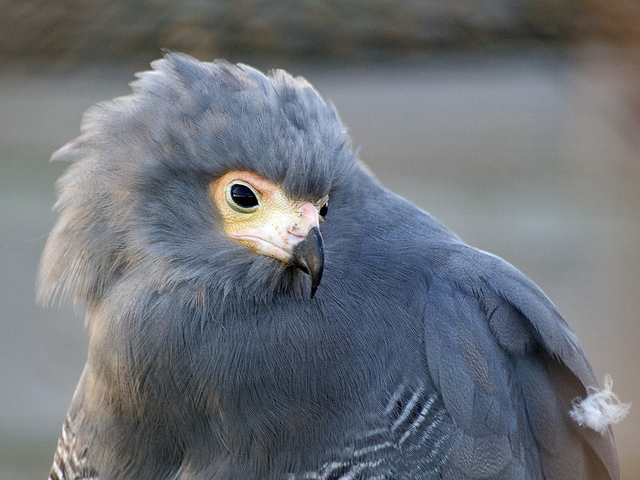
(515, 122)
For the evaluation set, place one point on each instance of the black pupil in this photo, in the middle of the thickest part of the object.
(243, 196)
(323, 210)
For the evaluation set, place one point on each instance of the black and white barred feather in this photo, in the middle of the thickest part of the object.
(413, 443)
(70, 460)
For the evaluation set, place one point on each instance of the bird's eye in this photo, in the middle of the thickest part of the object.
(242, 198)
(323, 211)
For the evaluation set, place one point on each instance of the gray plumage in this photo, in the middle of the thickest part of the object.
(419, 357)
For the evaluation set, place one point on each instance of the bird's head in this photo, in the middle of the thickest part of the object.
(211, 177)
(258, 214)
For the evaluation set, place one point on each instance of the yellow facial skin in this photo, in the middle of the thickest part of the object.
(272, 228)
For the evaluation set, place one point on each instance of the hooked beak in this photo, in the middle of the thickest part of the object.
(308, 256)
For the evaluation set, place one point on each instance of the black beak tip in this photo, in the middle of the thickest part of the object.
(308, 256)
(314, 287)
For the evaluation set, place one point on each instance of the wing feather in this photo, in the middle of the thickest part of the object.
(508, 367)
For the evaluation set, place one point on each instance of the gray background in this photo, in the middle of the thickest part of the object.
(525, 148)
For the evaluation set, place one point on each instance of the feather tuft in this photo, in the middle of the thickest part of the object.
(600, 409)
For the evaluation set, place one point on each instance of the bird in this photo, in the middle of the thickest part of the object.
(260, 307)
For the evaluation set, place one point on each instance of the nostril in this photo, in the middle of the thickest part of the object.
(294, 237)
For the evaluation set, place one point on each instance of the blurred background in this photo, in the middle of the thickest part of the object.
(515, 122)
